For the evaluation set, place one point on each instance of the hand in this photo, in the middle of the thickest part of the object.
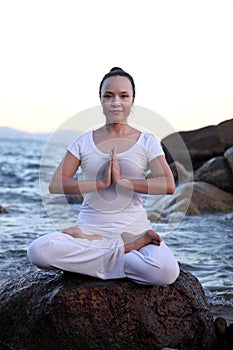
(116, 170)
(107, 177)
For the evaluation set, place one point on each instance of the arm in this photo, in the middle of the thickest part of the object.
(161, 182)
(63, 182)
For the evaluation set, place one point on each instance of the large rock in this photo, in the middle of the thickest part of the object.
(209, 199)
(62, 311)
(229, 157)
(216, 172)
(224, 132)
(190, 198)
(202, 144)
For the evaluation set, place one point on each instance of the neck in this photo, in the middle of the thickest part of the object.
(117, 128)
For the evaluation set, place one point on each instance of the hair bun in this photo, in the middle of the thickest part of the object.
(116, 69)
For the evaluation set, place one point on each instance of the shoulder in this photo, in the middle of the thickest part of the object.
(148, 138)
(81, 144)
(83, 136)
(151, 145)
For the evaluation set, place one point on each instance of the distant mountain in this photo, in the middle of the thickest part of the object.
(60, 136)
(10, 133)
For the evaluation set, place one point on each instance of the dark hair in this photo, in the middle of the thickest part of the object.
(114, 72)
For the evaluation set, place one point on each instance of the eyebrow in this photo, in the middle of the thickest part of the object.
(110, 92)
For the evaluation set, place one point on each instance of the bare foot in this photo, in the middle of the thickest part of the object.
(76, 232)
(155, 237)
(147, 237)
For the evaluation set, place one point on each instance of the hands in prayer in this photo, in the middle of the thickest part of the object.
(113, 171)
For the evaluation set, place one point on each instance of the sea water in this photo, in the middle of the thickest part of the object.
(203, 244)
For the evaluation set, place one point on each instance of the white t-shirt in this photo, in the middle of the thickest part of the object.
(114, 210)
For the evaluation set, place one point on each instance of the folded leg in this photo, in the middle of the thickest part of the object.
(99, 258)
(152, 265)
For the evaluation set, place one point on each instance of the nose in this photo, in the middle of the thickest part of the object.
(116, 101)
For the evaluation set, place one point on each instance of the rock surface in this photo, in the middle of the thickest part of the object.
(190, 198)
(202, 144)
(229, 157)
(58, 310)
(216, 172)
(2, 210)
(205, 186)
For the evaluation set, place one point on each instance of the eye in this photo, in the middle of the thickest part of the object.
(125, 96)
(107, 95)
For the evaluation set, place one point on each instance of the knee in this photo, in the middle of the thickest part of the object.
(32, 253)
(169, 274)
(35, 255)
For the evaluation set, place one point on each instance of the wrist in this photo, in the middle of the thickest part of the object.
(125, 183)
(100, 185)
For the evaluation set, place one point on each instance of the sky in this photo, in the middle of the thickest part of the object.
(55, 53)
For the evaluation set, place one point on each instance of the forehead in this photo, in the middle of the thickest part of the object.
(117, 83)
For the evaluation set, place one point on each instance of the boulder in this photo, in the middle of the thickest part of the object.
(56, 310)
(229, 157)
(180, 174)
(224, 334)
(216, 172)
(190, 198)
(202, 144)
(209, 199)
(224, 132)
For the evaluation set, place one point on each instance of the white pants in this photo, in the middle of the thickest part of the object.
(153, 265)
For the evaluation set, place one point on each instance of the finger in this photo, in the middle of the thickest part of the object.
(114, 152)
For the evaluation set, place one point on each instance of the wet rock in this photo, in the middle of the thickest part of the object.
(216, 172)
(66, 311)
(3, 210)
(229, 336)
(191, 198)
(229, 157)
(209, 199)
(220, 328)
(224, 334)
(180, 174)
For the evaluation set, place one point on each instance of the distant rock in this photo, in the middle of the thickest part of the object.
(55, 310)
(208, 199)
(180, 174)
(229, 157)
(2, 210)
(191, 198)
(204, 156)
(216, 172)
(224, 132)
(202, 144)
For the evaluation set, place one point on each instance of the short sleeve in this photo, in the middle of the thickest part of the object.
(74, 148)
(152, 146)
(78, 146)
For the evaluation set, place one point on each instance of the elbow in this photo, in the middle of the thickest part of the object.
(170, 190)
(171, 187)
(53, 185)
(51, 188)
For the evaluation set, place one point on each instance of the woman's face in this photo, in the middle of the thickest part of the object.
(117, 99)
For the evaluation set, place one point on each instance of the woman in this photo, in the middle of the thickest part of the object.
(113, 237)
